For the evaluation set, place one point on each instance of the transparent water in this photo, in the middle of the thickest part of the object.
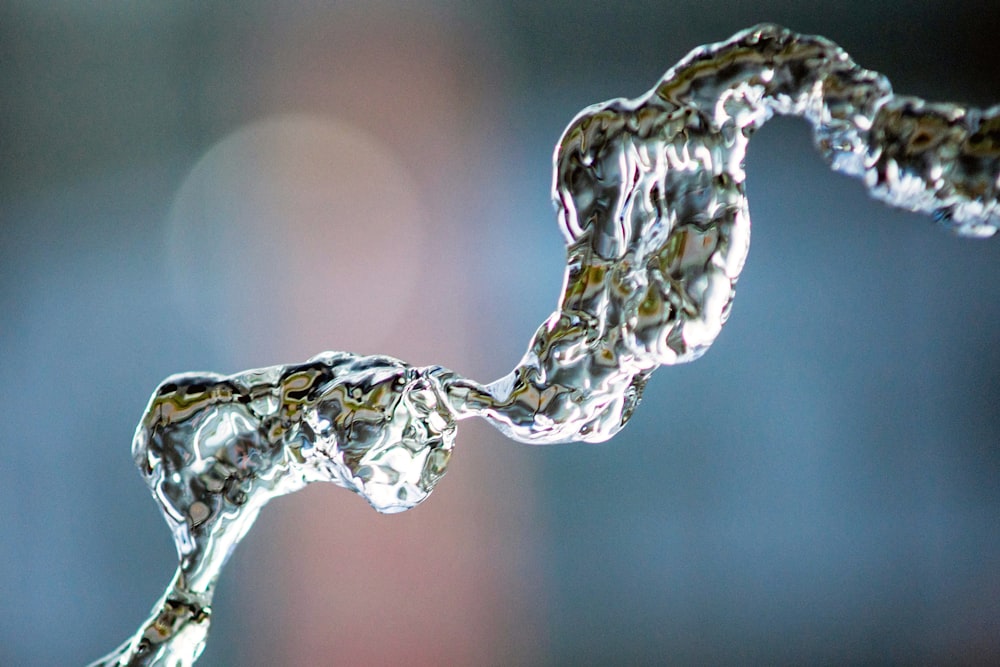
(650, 198)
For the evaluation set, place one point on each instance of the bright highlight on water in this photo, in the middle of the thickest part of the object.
(650, 197)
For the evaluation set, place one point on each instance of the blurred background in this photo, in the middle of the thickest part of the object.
(222, 186)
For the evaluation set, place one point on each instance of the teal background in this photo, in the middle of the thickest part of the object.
(821, 488)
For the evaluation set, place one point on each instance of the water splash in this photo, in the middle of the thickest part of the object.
(651, 200)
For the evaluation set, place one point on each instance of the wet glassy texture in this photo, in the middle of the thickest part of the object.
(650, 198)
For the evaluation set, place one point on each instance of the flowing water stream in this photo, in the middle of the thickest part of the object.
(650, 198)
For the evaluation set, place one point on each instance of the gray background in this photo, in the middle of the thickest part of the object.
(821, 488)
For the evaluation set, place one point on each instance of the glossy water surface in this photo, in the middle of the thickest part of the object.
(650, 198)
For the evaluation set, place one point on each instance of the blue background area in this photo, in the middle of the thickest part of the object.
(822, 487)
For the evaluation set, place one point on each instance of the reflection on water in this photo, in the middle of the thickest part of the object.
(832, 498)
(652, 203)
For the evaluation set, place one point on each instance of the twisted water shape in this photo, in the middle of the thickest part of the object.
(650, 197)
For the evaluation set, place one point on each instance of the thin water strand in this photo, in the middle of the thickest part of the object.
(651, 200)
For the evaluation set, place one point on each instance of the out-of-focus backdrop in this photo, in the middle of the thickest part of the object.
(221, 186)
